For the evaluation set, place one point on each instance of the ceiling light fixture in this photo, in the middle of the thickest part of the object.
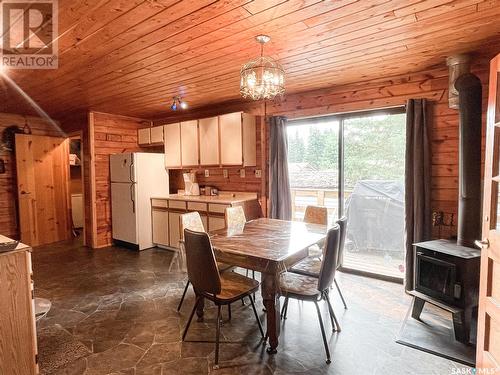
(263, 77)
(178, 103)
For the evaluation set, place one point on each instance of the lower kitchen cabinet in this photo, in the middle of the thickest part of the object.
(174, 228)
(160, 226)
(215, 222)
(166, 217)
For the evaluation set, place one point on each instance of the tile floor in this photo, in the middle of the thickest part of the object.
(114, 312)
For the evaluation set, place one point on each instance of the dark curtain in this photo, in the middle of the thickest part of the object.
(280, 200)
(417, 181)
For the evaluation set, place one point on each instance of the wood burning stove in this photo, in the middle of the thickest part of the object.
(447, 275)
(436, 277)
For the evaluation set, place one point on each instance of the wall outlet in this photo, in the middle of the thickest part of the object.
(242, 172)
(225, 174)
(258, 173)
(207, 173)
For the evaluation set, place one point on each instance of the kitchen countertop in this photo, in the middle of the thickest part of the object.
(222, 198)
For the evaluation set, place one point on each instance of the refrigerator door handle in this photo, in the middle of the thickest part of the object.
(132, 193)
(131, 169)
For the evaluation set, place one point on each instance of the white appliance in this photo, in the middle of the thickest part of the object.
(135, 179)
(77, 210)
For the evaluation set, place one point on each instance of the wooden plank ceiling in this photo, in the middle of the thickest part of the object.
(132, 56)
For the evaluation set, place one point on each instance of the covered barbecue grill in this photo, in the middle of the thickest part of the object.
(375, 212)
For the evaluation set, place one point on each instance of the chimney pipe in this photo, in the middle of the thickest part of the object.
(457, 65)
(469, 91)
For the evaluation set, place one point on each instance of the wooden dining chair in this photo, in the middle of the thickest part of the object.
(306, 288)
(316, 215)
(311, 266)
(192, 221)
(253, 210)
(221, 288)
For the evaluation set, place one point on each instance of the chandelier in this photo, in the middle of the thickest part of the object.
(263, 77)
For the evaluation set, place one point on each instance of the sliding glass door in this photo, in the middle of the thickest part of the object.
(354, 165)
(313, 165)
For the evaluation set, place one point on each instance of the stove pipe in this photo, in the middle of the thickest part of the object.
(469, 90)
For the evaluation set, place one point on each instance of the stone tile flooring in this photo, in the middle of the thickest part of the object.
(114, 312)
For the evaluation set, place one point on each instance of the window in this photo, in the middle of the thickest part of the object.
(354, 165)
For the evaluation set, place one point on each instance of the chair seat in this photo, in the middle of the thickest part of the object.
(299, 286)
(234, 287)
(310, 266)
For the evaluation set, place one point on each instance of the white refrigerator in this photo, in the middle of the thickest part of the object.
(135, 179)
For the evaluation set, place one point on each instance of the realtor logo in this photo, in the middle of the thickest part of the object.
(28, 34)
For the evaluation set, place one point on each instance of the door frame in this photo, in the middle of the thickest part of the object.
(489, 234)
(78, 134)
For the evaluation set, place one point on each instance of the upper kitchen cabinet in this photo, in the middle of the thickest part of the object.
(150, 136)
(144, 136)
(157, 135)
(172, 140)
(216, 141)
(209, 141)
(189, 144)
(237, 139)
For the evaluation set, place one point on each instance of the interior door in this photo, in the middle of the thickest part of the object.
(488, 340)
(43, 188)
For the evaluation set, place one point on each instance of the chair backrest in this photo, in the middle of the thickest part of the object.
(342, 222)
(316, 215)
(235, 217)
(191, 221)
(201, 264)
(253, 210)
(329, 263)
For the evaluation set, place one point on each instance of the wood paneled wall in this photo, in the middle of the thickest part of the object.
(109, 134)
(431, 84)
(8, 188)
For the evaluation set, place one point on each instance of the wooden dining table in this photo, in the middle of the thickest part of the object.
(270, 247)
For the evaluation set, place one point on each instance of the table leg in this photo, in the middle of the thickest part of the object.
(271, 300)
(200, 309)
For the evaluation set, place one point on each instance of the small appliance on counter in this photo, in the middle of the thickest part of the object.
(191, 187)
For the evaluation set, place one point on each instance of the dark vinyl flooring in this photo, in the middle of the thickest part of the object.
(114, 312)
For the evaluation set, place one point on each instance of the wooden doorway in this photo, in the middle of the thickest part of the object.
(42, 182)
(488, 340)
(77, 185)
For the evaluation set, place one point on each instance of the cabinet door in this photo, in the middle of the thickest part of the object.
(189, 143)
(160, 227)
(204, 219)
(249, 141)
(157, 134)
(231, 139)
(172, 135)
(174, 229)
(216, 222)
(143, 136)
(209, 141)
